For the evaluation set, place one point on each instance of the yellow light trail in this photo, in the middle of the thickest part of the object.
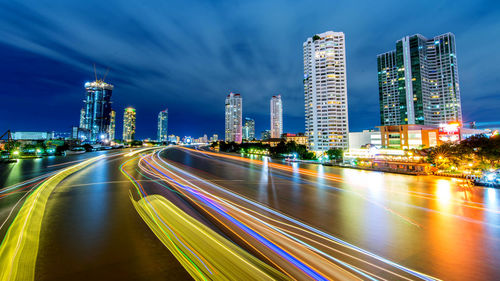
(19, 248)
(227, 260)
(231, 262)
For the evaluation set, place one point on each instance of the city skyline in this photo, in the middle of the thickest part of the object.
(62, 76)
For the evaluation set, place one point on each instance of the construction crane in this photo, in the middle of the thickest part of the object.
(9, 143)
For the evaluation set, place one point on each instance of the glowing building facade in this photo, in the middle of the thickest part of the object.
(276, 117)
(249, 129)
(97, 116)
(163, 125)
(129, 124)
(234, 120)
(325, 88)
(418, 82)
(112, 125)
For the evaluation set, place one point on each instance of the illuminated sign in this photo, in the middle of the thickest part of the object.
(449, 132)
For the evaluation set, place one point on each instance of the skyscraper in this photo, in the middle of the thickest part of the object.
(233, 117)
(97, 109)
(418, 82)
(249, 129)
(163, 125)
(129, 124)
(265, 135)
(112, 125)
(82, 119)
(276, 117)
(325, 87)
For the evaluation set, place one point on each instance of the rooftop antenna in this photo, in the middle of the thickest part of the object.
(95, 73)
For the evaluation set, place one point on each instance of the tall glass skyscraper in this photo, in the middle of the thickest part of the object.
(276, 117)
(234, 117)
(325, 87)
(97, 109)
(249, 129)
(418, 82)
(163, 125)
(129, 124)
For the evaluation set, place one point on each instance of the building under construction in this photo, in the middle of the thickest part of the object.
(96, 115)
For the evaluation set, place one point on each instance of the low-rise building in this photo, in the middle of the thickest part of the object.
(366, 138)
(32, 135)
(409, 136)
(299, 138)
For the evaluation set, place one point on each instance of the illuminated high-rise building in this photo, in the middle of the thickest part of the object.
(129, 124)
(163, 125)
(82, 118)
(234, 118)
(276, 117)
(325, 87)
(112, 125)
(249, 129)
(418, 82)
(97, 109)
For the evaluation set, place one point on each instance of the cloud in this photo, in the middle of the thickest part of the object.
(187, 55)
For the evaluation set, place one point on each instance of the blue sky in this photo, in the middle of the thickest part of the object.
(188, 55)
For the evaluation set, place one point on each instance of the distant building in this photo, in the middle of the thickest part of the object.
(366, 138)
(418, 82)
(249, 129)
(276, 116)
(234, 118)
(112, 125)
(129, 124)
(32, 135)
(97, 116)
(264, 135)
(205, 138)
(82, 118)
(298, 138)
(163, 125)
(325, 87)
(215, 137)
(173, 139)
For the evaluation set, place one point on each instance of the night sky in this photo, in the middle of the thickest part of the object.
(188, 55)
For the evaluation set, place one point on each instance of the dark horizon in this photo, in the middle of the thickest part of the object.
(189, 66)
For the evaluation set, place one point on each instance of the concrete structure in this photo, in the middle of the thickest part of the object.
(366, 138)
(325, 87)
(234, 118)
(162, 134)
(418, 82)
(276, 116)
(249, 129)
(97, 116)
(129, 124)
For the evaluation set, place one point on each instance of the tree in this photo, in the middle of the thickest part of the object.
(335, 154)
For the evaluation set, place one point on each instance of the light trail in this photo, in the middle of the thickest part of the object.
(19, 248)
(235, 214)
(232, 262)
